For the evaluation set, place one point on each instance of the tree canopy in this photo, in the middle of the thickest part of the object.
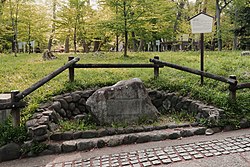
(115, 25)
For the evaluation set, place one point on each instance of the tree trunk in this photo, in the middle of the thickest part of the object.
(50, 42)
(141, 45)
(117, 35)
(218, 12)
(97, 44)
(134, 42)
(29, 39)
(178, 16)
(117, 43)
(85, 46)
(204, 8)
(125, 29)
(66, 44)
(75, 40)
(53, 26)
(14, 28)
(235, 40)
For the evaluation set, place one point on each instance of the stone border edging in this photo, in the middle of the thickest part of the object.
(112, 141)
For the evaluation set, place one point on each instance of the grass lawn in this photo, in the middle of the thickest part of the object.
(18, 73)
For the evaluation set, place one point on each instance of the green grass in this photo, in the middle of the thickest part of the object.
(18, 73)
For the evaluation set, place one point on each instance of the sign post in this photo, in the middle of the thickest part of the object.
(201, 23)
(158, 43)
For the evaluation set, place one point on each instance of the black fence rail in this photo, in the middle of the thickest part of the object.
(154, 66)
(16, 97)
(232, 80)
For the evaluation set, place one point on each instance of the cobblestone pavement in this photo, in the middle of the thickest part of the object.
(164, 156)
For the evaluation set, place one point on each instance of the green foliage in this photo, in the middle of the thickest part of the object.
(18, 73)
(77, 125)
(34, 148)
(182, 116)
(12, 134)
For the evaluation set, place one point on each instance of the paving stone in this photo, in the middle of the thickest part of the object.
(235, 147)
(143, 160)
(105, 162)
(220, 149)
(59, 165)
(217, 153)
(105, 165)
(213, 151)
(247, 149)
(240, 150)
(153, 158)
(173, 155)
(171, 152)
(208, 148)
(156, 162)
(198, 156)
(193, 152)
(233, 151)
(150, 155)
(127, 166)
(176, 159)
(134, 162)
(181, 151)
(114, 160)
(114, 164)
(146, 164)
(49, 165)
(136, 165)
(125, 163)
(187, 157)
(133, 158)
(199, 149)
(228, 148)
(163, 157)
(225, 152)
(183, 154)
(166, 161)
(160, 153)
(209, 154)
(242, 146)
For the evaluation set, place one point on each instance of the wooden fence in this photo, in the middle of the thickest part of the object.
(154, 66)
(232, 80)
(16, 102)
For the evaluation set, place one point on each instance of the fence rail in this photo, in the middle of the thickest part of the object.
(154, 66)
(232, 80)
(16, 96)
(46, 79)
(243, 86)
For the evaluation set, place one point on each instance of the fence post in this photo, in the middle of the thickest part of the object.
(15, 112)
(232, 89)
(71, 71)
(156, 69)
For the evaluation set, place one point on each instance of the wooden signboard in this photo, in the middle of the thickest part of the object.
(201, 23)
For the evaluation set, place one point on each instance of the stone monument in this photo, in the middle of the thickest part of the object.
(125, 102)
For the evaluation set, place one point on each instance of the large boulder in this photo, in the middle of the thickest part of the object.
(125, 102)
(9, 152)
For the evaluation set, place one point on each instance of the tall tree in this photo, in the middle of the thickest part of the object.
(242, 26)
(180, 6)
(127, 14)
(220, 5)
(53, 28)
(14, 9)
